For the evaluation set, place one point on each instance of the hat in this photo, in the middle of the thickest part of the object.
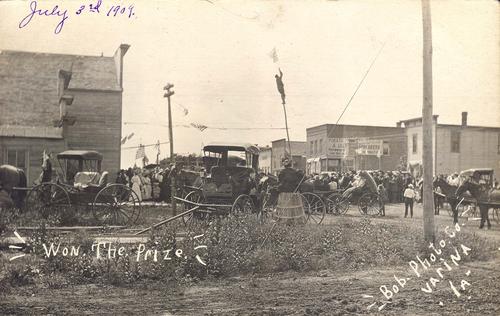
(410, 186)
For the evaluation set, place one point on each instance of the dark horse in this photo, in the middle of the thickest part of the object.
(486, 198)
(450, 193)
(11, 177)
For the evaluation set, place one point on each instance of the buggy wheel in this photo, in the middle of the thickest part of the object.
(332, 202)
(342, 204)
(316, 209)
(369, 204)
(195, 197)
(269, 202)
(116, 204)
(243, 206)
(47, 199)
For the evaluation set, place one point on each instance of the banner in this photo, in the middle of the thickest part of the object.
(370, 147)
(336, 148)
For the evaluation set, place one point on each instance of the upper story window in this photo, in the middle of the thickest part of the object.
(455, 141)
(414, 143)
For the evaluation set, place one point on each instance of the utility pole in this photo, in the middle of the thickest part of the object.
(173, 190)
(427, 123)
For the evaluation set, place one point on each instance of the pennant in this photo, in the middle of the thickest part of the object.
(199, 126)
(124, 139)
(130, 136)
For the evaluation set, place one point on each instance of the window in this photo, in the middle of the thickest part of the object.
(315, 146)
(455, 141)
(414, 143)
(321, 145)
(323, 166)
(311, 147)
(386, 149)
(17, 158)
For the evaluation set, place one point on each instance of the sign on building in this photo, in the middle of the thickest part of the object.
(337, 148)
(370, 147)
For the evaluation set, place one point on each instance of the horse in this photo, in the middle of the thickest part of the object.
(11, 177)
(449, 191)
(486, 198)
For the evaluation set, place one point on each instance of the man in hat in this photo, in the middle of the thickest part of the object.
(409, 196)
(288, 177)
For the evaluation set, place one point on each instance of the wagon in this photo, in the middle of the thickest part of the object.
(367, 198)
(468, 205)
(82, 184)
(229, 184)
(313, 199)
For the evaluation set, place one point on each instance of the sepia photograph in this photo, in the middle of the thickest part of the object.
(258, 157)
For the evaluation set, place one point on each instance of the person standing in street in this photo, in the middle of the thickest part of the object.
(382, 192)
(409, 197)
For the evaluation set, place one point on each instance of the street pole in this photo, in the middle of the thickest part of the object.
(427, 122)
(287, 135)
(173, 190)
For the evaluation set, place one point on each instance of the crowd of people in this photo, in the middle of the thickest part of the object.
(148, 184)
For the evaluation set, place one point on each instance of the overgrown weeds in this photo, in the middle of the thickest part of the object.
(230, 246)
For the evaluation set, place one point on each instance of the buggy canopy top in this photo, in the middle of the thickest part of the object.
(80, 154)
(224, 147)
(470, 172)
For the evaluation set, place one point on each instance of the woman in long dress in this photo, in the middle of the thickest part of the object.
(147, 187)
(137, 185)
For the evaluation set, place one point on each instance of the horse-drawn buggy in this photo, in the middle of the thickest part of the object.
(477, 190)
(229, 185)
(363, 192)
(82, 184)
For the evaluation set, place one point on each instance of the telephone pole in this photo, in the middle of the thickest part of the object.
(427, 123)
(173, 190)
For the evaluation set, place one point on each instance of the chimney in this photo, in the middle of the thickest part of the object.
(118, 56)
(398, 124)
(464, 119)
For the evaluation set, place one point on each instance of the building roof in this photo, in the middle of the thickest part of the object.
(222, 147)
(80, 154)
(29, 83)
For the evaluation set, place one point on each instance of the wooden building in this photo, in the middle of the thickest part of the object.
(455, 147)
(55, 102)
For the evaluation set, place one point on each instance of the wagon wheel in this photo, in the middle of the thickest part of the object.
(369, 204)
(342, 204)
(315, 209)
(332, 203)
(269, 203)
(116, 204)
(195, 197)
(47, 199)
(243, 206)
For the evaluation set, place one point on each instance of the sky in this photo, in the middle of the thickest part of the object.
(217, 53)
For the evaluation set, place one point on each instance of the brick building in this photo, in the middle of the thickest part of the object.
(333, 147)
(56, 102)
(455, 147)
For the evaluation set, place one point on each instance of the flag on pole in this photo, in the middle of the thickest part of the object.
(141, 152)
(201, 127)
